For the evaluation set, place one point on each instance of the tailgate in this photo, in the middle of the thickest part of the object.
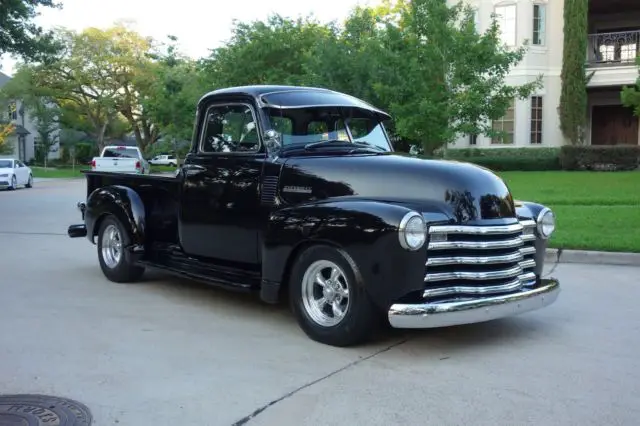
(116, 164)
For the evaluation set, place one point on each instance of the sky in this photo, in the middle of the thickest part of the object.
(199, 24)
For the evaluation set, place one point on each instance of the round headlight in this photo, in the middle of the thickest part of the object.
(412, 231)
(546, 222)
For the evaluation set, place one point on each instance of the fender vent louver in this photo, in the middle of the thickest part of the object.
(269, 190)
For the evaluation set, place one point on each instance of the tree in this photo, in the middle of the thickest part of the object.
(77, 80)
(45, 116)
(175, 87)
(573, 96)
(19, 35)
(630, 95)
(132, 72)
(271, 52)
(98, 77)
(451, 79)
(6, 130)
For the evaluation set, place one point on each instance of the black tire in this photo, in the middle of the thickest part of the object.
(14, 183)
(30, 182)
(122, 269)
(172, 164)
(361, 318)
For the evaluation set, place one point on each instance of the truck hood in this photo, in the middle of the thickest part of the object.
(462, 191)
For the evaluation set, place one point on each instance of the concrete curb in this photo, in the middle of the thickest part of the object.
(592, 257)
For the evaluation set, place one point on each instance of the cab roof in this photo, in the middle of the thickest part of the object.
(287, 97)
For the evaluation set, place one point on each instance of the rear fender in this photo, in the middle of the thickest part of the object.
(122, 202)
(367, 231)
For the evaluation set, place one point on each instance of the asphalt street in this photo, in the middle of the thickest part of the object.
(171, 352)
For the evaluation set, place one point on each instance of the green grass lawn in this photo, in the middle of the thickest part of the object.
(594, 210)
(60, 173)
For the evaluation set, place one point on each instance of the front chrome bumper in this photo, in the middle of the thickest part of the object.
(444, 314)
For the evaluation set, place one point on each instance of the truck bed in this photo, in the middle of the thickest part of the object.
(159, 193)
(97, 179)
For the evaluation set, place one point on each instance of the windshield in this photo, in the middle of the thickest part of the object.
(121, 152)
(6, 164)
(309, 125)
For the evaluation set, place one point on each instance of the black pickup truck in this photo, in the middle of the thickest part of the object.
(296, 193)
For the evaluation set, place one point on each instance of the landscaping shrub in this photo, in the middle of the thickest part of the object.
(514, 163)
(600, 157)
(504, 153)
(509, 159)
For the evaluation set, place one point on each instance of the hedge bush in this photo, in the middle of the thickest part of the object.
(512, 164)
(503, 153)
(600, 157)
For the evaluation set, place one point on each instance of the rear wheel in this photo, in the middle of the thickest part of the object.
(329, 303)
(115, 260)
(30, 182)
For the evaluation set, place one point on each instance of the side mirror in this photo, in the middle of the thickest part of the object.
(272, 140)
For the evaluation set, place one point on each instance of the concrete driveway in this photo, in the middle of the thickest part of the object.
(170, 352)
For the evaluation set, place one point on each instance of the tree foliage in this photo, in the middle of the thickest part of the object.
(6, 130)
(630, 95)
(452, 78)
(19, 35)
(174, 88)
(573, 97)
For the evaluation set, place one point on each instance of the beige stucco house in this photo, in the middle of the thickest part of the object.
(614, 42)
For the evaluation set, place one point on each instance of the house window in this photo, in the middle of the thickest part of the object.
(536, 120)
(506, 19)
(505, 125)
(13, 111)
(473, 139)
(539, 21)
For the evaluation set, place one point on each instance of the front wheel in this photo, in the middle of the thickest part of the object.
(115, 260)
(14, 183)
(329, 302)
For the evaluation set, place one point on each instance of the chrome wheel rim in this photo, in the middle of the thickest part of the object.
(111, 246)
(14, 182)
(325, 293)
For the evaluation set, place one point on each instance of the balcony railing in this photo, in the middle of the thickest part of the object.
(620, 48)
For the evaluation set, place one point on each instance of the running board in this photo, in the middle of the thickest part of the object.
(172, 260)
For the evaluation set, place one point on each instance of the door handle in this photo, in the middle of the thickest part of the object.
(193, 169)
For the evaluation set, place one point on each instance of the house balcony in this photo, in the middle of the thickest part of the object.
(612, 56)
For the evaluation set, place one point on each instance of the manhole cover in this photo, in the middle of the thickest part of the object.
(42, 410)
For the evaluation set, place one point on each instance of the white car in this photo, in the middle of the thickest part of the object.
(14, 173)
(164, 160)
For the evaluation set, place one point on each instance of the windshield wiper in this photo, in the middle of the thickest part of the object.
(360, 145)
(313, 145)
(369, 145)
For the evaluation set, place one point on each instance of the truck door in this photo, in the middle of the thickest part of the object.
(220, 205)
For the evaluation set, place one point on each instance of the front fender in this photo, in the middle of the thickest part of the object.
(366, 230)
(122, 202)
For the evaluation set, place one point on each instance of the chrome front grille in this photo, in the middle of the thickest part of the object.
(479, 260)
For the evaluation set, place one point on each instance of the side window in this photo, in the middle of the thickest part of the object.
(230, 128)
